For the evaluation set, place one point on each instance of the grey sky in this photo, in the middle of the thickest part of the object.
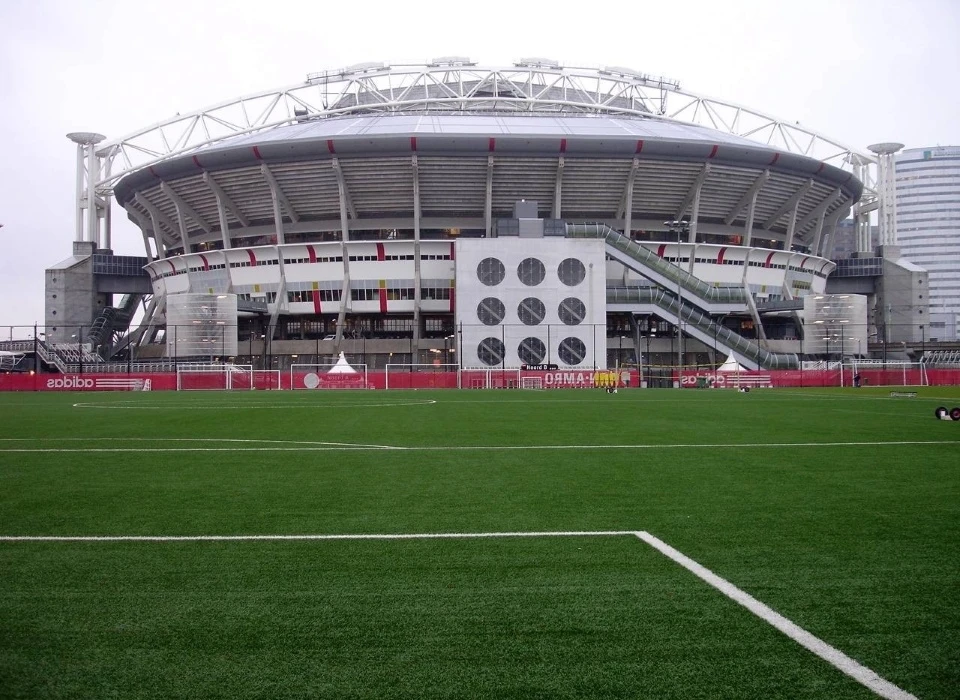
(858, 71)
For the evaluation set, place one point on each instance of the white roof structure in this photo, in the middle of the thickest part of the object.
(730, 365)
(241, 165)
(342, 366)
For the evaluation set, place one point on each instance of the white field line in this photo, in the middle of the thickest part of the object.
(831, 655)
(130, 405)
(339, 447)
(280, 538)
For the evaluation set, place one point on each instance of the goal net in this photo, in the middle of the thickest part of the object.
(880, 373)
(215, 377)
(328, 375)
(490, 378)
(422, 376)
(531, 382)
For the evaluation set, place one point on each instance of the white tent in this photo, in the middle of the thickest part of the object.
(342, 367)
(730, 365)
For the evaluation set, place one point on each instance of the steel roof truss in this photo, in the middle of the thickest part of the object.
(488, 202)
(184, 209)
(227, 202)
(277, 192)
(626, 200)
(344, 190)
(789, 204)
(791, 226)
(749, 196)
(147, 223)
(818, 211)
(558, 189)
(159, 217)
(693, 191)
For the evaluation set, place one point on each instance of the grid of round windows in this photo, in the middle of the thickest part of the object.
(531, 351)
(490, 351)
(571, 272)
(531, 271)
(491, 272)
(572, 311)
(491, 311)
(531, 311)
(572, 351)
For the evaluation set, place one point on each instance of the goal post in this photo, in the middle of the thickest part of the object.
(215, 378)
(880, 373)
(267, 380)
(422, 376)
(475, 378)
(531, 382)
(319, 376)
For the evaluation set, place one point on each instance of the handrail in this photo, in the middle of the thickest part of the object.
(687, 313)
(696, 286)
(113, 319)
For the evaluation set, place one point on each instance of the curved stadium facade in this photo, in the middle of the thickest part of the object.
(486, 224)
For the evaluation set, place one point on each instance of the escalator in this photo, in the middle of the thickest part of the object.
(709, 297)
(113, 321)
(697, 324)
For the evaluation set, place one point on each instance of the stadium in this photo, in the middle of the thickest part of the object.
(454, 216)
(447, 225)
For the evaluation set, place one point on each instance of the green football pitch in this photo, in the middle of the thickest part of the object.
(467, 544)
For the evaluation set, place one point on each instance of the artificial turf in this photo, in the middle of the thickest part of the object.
(804, 499)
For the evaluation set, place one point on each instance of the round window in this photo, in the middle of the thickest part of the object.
(571, 272)
(572, 351)
(531, 351)
(531, 272)
(531, 311)
(572, 311)
(491, 272)
(491, 311)
(490, 351)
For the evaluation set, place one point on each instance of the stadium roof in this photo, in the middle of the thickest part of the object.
(576, 140)
(531, 124)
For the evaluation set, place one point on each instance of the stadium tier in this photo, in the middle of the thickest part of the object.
(488, 218)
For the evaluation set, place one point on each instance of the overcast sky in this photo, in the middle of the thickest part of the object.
(860, 71)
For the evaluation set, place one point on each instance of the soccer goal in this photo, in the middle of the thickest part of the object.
(329, 375)
(267, 379)
(422, 376)
(531, 382)
(215, 377)
(490, 378)
(880, 373)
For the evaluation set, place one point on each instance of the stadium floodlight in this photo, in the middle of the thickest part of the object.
(364, 67)
(625, 72)
(452, 61)
(537, 63)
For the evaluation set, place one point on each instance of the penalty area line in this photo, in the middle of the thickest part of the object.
(300, 446)
(831, 655)
(284, 538)
(836, 658)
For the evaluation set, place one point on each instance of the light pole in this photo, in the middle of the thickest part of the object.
(36, 351)
(450, 343)
(650, 333)
(680, 228)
